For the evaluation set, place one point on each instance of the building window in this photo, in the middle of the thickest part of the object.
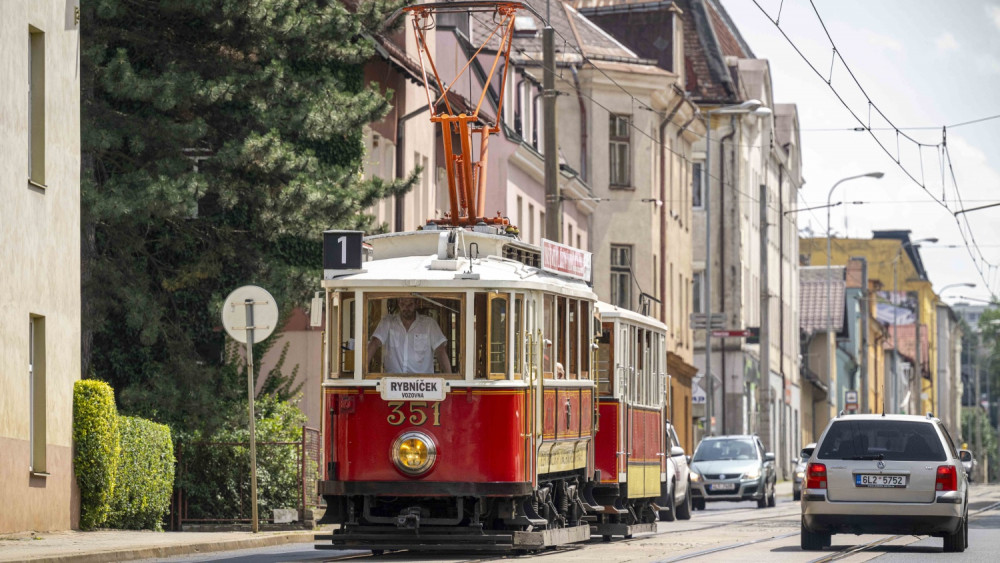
(619, 148)
(531, 223)
(36, 392)
(696, 187)
(621, 275)
(697, 293)
(36, 107)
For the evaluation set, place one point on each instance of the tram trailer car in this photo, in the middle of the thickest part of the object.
(498, 454)
(630, 441)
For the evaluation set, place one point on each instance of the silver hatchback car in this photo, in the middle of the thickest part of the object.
(877, 474)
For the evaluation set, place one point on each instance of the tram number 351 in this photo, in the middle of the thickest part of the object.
(417, 413)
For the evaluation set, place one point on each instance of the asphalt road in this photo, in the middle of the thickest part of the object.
(722, 532)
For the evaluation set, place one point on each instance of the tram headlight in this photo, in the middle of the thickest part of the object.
(413, 453)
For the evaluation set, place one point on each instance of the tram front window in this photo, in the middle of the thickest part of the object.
(412, 333)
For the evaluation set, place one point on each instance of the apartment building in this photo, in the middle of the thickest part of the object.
(40, 253)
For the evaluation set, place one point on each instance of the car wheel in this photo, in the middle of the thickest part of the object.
(762, 501)
(811, 541)
(770, 498)
(684, 510)
(966, 531)
(667, 513)
(955, 543)
(796, 495)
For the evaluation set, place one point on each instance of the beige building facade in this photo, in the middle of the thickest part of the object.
(40, 253)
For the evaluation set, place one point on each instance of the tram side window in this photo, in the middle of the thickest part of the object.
(605, 361)
(491, 336)
(519, 335)
(562, 343)
(584, 339)
(650, 373)
(347, 344)
(413, 333)
(548, 336)
(573, 338)
(628, 364)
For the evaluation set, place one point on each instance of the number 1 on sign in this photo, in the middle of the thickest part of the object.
(342, 241)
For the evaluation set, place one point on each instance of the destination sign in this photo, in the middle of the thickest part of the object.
(413, 389)
(566, 260)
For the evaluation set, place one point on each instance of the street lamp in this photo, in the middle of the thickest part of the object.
(830, 348)
(829, 252)
(895, 324)
(757, 109)
(966, 284)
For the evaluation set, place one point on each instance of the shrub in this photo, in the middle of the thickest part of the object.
(97, 447)
(216, 468)
(146, 475)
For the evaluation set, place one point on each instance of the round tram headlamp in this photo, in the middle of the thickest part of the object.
(413, 453)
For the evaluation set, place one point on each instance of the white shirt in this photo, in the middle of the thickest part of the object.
(409, 351)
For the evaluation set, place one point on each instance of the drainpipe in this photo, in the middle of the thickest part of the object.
(722, 249)
(583, 124)
(663, 208)
(400, 132)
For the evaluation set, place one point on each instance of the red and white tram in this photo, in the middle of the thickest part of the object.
(495, 448)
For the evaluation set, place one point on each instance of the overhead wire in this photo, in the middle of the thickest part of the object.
(941, 147)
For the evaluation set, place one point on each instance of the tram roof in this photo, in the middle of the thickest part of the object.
(410, 272)
(609, 311)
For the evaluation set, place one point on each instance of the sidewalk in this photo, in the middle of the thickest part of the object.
(126, 545)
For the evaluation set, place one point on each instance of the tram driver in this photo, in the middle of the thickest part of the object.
(411, 341)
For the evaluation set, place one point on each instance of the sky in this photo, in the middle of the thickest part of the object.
(922, 64)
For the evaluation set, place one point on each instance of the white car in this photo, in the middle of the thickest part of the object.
(675, 502)
(878, 474)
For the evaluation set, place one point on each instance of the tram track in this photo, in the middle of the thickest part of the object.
(563, 549)
(842, 553)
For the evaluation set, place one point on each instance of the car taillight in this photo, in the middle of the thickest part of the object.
(947, 478)
(816, 476)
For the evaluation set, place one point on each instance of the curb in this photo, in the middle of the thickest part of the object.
(157, 552)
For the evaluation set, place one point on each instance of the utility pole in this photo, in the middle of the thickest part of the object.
(977, 406)
(917, 383)
(765, 333)
(866, 311)
(553, 199)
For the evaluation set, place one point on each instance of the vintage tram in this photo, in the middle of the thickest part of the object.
(476, 394)
(495, 447)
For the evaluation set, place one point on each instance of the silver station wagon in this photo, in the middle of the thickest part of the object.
(877, 474)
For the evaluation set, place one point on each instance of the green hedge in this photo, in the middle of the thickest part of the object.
(141, 496)
(95, 459)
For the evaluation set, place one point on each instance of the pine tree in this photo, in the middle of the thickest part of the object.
(220, 138)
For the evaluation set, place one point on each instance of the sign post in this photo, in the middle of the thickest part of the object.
(250, 313)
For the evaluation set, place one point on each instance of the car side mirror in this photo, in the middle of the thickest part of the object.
(676, 451)
(769, 456)
(965, 455)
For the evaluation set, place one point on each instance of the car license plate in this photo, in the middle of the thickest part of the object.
(724, 487)
(884, 481)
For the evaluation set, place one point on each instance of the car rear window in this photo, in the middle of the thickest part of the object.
(894, 440)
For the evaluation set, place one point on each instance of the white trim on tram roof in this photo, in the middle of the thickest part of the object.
(494, 273)
(609, 311)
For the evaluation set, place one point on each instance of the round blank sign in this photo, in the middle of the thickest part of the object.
(234, 313)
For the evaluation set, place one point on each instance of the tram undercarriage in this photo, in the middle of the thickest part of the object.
(556, 513)
(619, 515)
